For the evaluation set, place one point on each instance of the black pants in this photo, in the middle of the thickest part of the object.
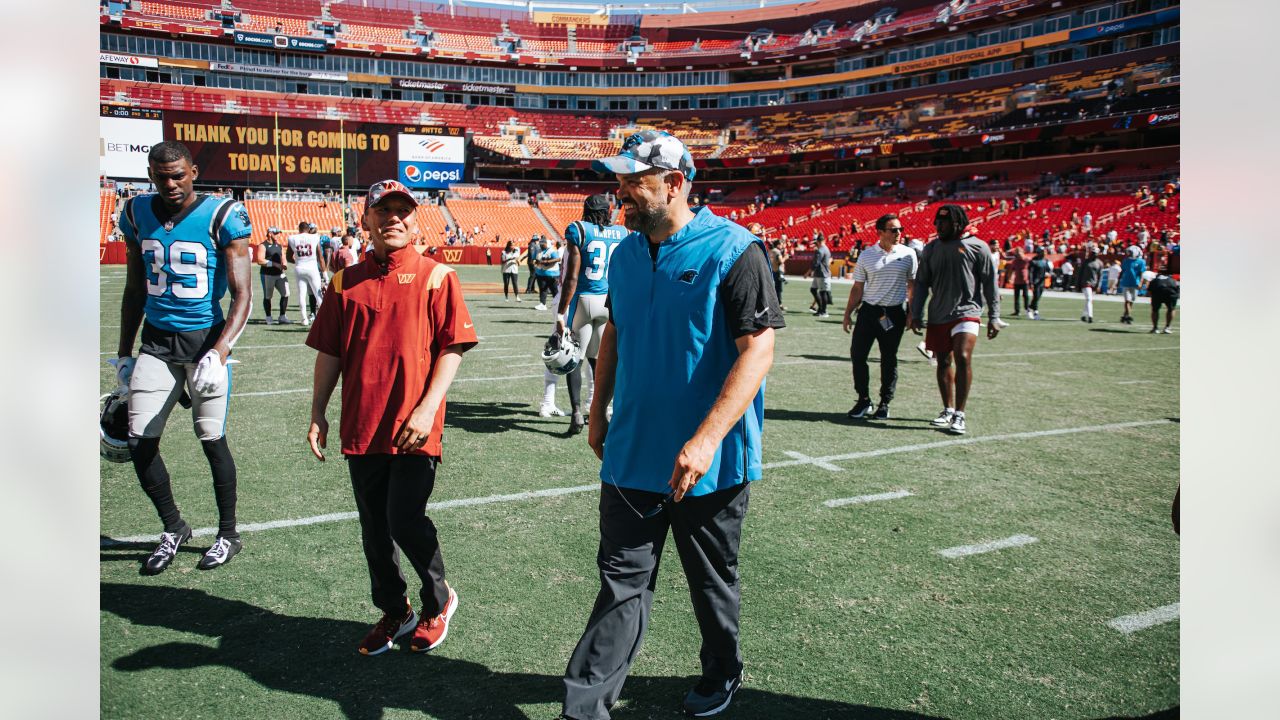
(707, 530)
(1020, 290)
(547, 287)
(867, 331)
(777, 285)
(1037, 289)
(391, 497)
(528, 288)
(513, 280)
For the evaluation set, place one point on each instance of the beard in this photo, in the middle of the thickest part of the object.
(645, 220)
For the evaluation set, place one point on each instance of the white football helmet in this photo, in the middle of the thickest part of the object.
(562, 354)
(113, 427)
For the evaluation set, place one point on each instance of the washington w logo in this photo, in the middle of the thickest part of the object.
(431, 146)
(453, 256)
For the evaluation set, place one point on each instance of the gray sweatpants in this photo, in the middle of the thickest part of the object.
(707, 530)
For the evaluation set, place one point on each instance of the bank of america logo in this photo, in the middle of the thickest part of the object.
(431, 146)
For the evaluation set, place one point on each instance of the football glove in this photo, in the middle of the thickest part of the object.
(211, 374)
(124, 370)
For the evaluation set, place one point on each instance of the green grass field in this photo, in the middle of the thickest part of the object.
(847, 612)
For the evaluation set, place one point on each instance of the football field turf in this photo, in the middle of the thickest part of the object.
(1053, 511)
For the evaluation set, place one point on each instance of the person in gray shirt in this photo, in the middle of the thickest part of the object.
(957, 277)
(1088, 278)
(820, 271)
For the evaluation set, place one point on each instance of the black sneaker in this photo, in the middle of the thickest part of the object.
(882, 412)
(711, 697)
(164, 553)
(860, 410)
(224, 548)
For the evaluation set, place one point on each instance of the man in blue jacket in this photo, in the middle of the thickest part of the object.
(684, 357)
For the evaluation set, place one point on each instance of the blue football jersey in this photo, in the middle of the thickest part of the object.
(595, 245)
(186, 277)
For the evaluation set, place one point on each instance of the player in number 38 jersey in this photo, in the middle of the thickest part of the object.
(582, 299)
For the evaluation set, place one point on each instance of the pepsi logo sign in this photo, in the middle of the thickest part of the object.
(412, 173)
(992, 138)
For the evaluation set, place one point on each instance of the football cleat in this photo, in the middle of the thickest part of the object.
(548, 410)
(164, 553)
(113, 427)
(223, 549)
(943, 419)
(859, 410)
(562, 354)
(576, 423)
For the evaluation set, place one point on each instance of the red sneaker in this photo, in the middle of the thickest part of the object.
(388, 630)
(432, 631)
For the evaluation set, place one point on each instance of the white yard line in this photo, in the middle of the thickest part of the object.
(804, 361)
(552, 492)
(338, 517)
(860, 499)
(965, 441)
(812, 461)
(1141, 621)
(986, 547)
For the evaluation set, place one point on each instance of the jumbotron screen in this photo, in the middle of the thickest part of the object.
(236, 148)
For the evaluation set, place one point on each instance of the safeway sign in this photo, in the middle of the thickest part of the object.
(135, 60)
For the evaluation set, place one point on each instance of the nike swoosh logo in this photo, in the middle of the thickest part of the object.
(761, 313)
(466, 326)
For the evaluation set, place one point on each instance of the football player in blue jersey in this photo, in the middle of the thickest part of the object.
(591, 241)
(185, 250)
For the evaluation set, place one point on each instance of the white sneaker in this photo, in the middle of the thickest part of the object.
(822, 315)
(539, 306)
(306, 322)
(924, 351)
(519, 299)
(957, 424)
(1000, 324)
(549, 411)
(943, 419)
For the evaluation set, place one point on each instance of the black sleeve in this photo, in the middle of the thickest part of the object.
(750, 302)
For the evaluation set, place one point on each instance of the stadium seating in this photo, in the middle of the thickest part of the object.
(106, 211)
(177, 11)
(509, 220)
(286, 215)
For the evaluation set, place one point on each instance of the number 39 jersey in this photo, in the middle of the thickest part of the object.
(186, 275)
(596, 244)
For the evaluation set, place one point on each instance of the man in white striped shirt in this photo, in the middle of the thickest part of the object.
(882, 282)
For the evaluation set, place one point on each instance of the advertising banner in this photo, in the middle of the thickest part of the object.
(125, 136)
(135, 60)
(280, 42)
(237, 148)
(429, 160)
(278, 71)
(439, 86)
